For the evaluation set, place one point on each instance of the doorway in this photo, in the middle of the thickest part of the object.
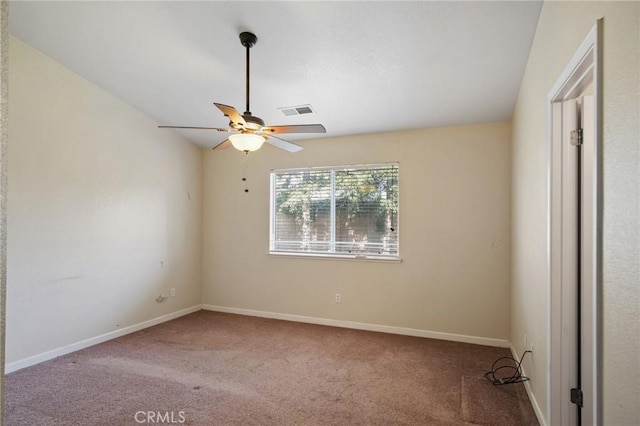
(575, 238)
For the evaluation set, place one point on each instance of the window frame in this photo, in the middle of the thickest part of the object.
(331, 255)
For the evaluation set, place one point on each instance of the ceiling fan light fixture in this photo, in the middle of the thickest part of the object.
(247, 129)
(246, 142)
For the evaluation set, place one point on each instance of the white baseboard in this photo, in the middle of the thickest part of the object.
(364, 326)
(36, 359)
(532, 397)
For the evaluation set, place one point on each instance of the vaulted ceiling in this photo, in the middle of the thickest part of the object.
(362, 66)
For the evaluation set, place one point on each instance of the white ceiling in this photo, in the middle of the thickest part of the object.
(363, 66)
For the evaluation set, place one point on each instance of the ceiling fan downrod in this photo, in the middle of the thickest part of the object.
(248, 40)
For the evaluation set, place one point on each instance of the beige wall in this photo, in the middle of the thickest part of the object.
(104, 211)
(454, 235)
(4, 109)
(561, 29)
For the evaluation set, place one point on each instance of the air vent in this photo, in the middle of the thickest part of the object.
(297, 110)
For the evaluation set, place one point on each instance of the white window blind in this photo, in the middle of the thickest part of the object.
(341, 211)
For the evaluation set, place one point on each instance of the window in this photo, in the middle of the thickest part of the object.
(349, 211)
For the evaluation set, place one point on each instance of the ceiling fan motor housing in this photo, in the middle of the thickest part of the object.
(254, 123)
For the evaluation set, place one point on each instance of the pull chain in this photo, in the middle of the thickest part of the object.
(244, 173)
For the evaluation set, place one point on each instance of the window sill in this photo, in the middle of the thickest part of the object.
(347, 257)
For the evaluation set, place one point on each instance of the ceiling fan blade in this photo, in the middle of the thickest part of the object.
(196, 128)
(299, 128)
(232, 113)
(222, 145)
(283, 144)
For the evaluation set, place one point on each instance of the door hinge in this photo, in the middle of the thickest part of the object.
(576, 137)
(576, 396)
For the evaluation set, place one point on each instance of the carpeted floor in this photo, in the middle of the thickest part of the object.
(212, 368)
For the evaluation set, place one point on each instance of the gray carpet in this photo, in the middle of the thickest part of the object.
(212, 368)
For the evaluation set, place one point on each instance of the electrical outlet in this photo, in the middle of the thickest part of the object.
(173, 292)
(338, 298)
(528, 344)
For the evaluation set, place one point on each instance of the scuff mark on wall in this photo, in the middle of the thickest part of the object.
(74, 277)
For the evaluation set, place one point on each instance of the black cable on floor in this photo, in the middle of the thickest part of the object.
(503, 378)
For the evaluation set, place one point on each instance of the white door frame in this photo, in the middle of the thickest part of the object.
(584, 69)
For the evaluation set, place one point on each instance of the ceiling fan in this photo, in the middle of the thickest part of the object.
(249, 131)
